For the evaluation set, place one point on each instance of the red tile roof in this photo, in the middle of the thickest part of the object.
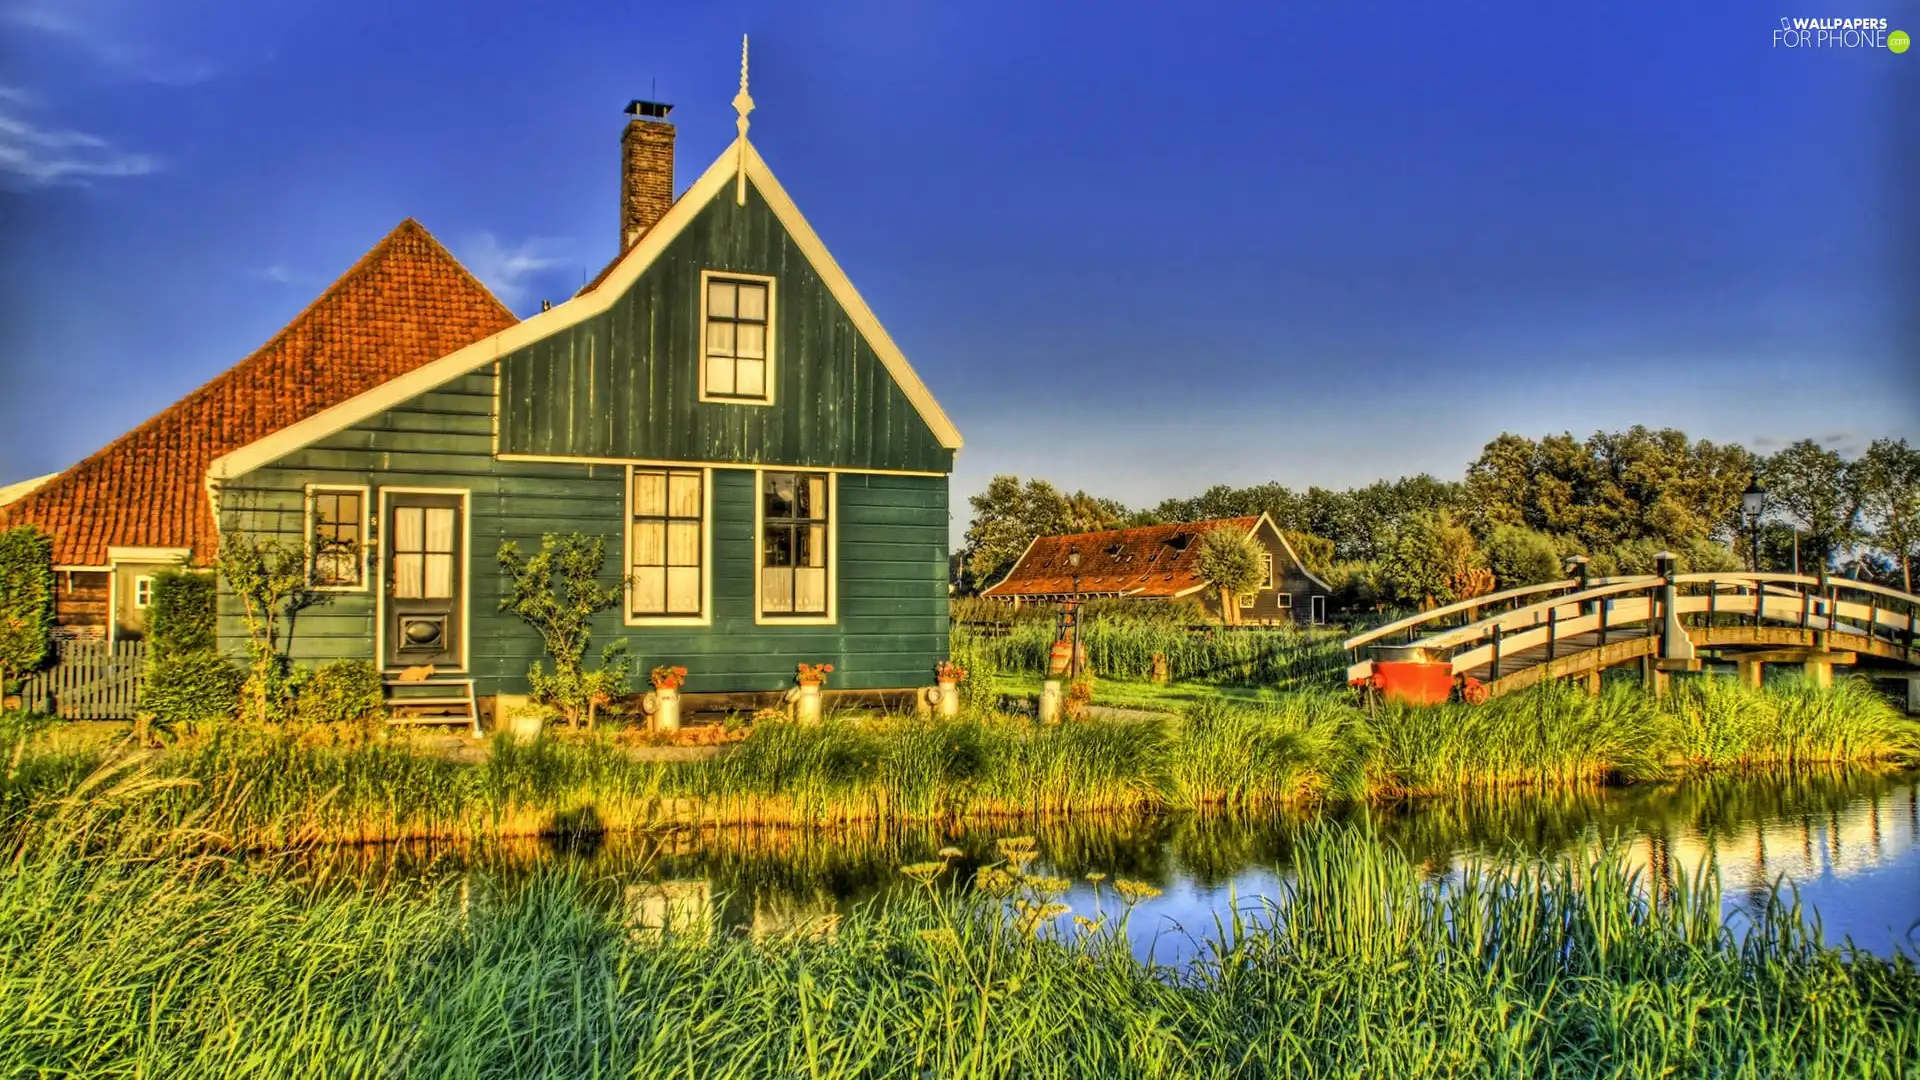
(405, 303)
(1158, 561)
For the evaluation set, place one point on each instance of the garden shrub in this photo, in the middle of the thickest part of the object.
(191, 688)
(182, 617)
(26, 603)
(342, 692)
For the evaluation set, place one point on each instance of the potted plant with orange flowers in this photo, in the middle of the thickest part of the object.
(948, 674)
(806, 702)
(664, 703)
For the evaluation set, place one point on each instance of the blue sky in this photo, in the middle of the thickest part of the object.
(1130, 248)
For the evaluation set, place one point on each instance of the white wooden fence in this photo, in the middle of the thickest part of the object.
(89, 680)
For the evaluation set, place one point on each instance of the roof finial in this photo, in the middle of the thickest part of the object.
(742, 105)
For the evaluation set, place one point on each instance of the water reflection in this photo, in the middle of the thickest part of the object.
(1849, 841)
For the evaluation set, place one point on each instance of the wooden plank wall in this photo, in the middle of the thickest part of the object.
(625, 383)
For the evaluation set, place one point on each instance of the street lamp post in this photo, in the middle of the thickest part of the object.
(1753, 502)
(1073, 653)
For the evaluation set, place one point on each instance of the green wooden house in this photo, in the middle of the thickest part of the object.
(769, 474)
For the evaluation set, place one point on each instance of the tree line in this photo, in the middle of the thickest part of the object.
(1524, 507)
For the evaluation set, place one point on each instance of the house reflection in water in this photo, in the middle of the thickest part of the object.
(779, 915)
(660, 910)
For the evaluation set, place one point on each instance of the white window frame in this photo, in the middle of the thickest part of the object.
(307, 509)
(772, 360)
(760, 616)
(1285, 600)
(705, 618)
(142, 583)
(1246, 600)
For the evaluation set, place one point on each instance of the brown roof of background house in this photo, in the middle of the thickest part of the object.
(1158, 561)
(404, 304)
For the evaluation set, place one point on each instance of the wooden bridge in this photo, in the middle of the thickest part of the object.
(1664, 622)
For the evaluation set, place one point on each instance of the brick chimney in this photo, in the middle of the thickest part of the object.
(646, 170)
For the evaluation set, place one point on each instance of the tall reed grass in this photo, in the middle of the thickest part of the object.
(1285, 658)
(128, 951)
(265, 790)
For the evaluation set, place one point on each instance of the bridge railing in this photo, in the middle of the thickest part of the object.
(1407, 628)
(1834, 605)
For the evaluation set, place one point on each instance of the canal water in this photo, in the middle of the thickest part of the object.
(1848, 842)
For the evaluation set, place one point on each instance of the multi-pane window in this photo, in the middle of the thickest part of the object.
(668, 506)
(338, 519)
(737, 350)
(1266, 570)
(142, 591)
(793, 544)
(423, 551)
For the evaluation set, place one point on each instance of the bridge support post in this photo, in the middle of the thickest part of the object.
(1913, 695)
(1591, 680)
(1656, 681)
(1820, 671)
(1752, 673)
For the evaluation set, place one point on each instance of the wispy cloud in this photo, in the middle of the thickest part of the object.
(35, 156)
(279, 273)
(509, 270)
(99, 33)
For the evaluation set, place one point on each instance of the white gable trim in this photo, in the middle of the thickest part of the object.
(585, 306)
(16, 492)
(856, 308)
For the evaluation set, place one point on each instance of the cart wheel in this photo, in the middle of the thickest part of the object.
(1474, 692)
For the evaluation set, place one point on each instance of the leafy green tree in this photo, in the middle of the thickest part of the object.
(1085, 513)
(1006, 518)
(558, 591)
(26, 603)
(1520, 556)
(1889, 488)
(1230, 562)
(1813, 488)
(1316, 553)
(270, 580)
(1432, 561)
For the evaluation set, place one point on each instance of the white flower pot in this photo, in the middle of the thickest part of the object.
(949, 698)
(664, 706)
(1050, 700)
(526, 725)
(806, 706)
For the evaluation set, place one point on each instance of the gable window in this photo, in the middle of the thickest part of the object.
(1246, 600)
(795, 544)
(1266, 569)
(142, 591)
(667, 543)
(337, 517)
(736, 349)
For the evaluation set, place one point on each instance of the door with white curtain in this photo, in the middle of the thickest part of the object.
(425, 563)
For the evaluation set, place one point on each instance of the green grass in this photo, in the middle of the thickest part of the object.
(257, 789)
(126, 951)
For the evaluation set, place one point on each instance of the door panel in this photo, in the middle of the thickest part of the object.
(425, 579)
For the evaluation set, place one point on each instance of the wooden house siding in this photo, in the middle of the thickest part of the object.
(891, 564)
(625, 383)
(80, 598)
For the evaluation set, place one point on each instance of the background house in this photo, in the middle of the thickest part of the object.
(1161, 562)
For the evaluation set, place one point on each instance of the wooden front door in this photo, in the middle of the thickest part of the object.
(426, 580)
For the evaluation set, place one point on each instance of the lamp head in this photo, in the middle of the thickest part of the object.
(1753, 500)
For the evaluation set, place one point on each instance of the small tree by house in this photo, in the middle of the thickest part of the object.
(270, 581)
(558, 591)
(183, 616)
(26, 603)
(186, 680)
(1230, 562)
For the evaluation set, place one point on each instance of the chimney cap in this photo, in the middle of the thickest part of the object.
(652, 109)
